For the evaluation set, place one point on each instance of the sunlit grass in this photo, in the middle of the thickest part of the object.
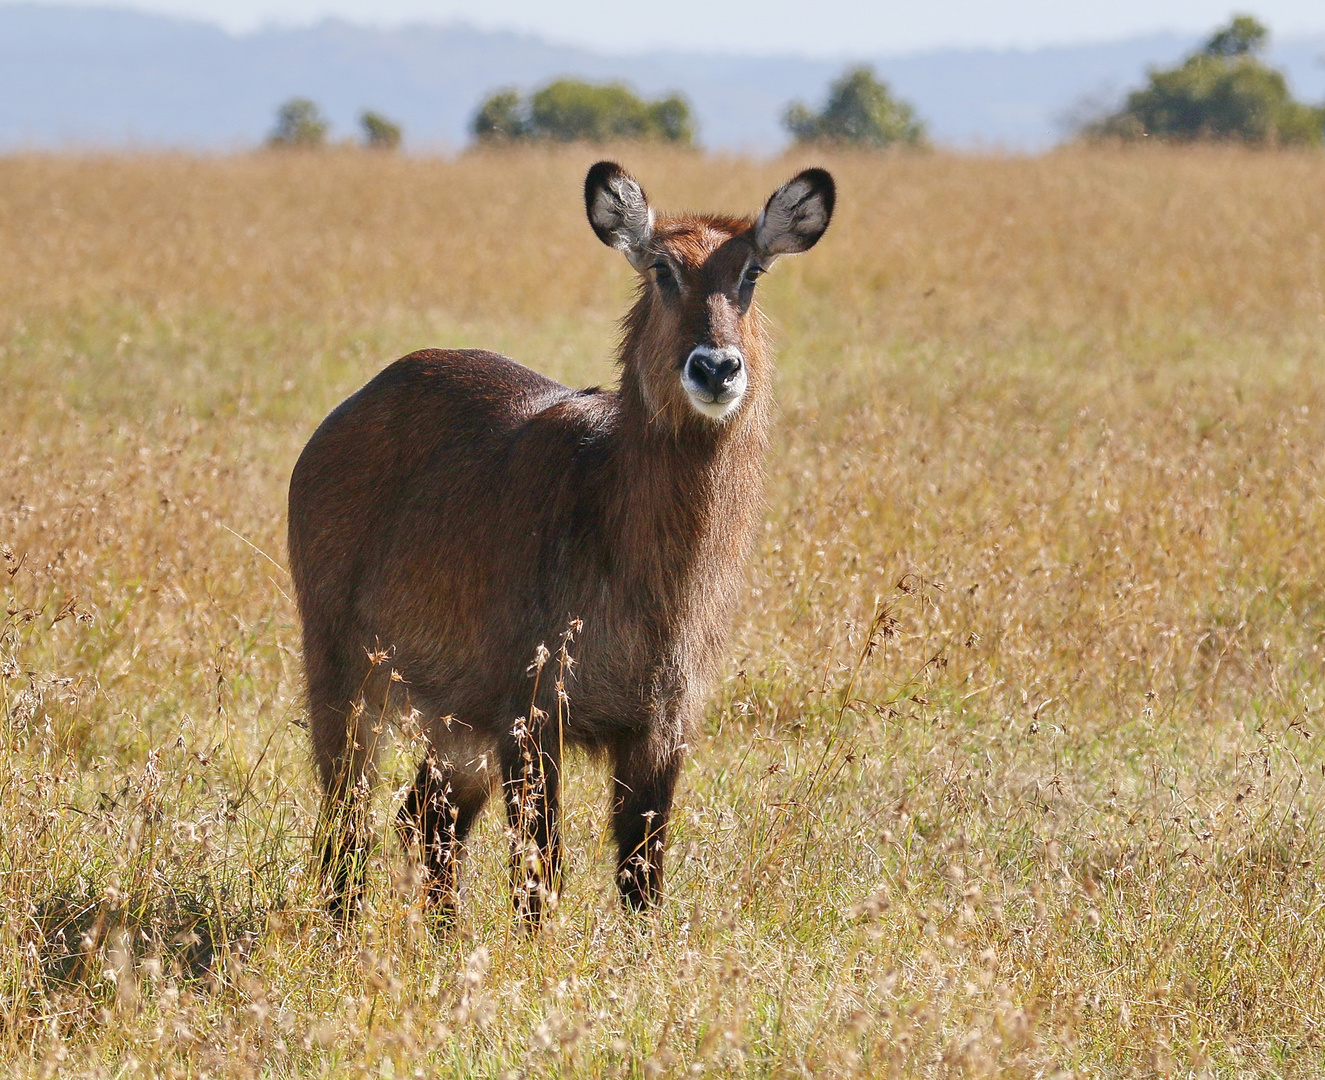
(1013, 769)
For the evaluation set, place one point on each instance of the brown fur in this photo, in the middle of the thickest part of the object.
(460, 511)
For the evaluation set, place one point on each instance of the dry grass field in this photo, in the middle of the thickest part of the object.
(1015, 766)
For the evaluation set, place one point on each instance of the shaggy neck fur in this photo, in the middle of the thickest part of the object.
(692, 487)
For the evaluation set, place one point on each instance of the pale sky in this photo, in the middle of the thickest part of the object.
(825, 28)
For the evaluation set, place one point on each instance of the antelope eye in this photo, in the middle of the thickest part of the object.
(752, 275)
(661, 271)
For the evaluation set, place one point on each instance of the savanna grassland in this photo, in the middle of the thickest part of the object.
(1014, 769)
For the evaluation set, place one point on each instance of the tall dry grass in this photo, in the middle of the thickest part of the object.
(1013, 770)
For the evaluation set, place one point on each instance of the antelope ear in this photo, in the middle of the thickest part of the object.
(797, 214)
(619, 211)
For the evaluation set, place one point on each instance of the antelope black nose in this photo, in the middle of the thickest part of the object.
(715, 374)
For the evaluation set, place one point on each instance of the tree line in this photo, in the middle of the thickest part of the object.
(300, 124)
(1223, 91)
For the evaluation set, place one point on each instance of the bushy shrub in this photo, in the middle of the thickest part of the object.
(299, 123)
(1223, 91)
(571, 110)
(379, 133)
(500, 118)
(861, 111)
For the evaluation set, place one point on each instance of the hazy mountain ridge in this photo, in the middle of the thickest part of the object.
(109, 77)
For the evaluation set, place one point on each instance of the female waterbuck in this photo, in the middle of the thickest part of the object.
(460, 511)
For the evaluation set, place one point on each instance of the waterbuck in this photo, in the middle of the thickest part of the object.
(460, 512)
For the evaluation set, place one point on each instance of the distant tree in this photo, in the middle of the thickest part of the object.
(672, 120)
(379, 133)
(571, 110)
(861, 111)
(1223, 91)
(299, 123)
(500, 118)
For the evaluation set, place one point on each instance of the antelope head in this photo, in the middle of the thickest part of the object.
(693, 344)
